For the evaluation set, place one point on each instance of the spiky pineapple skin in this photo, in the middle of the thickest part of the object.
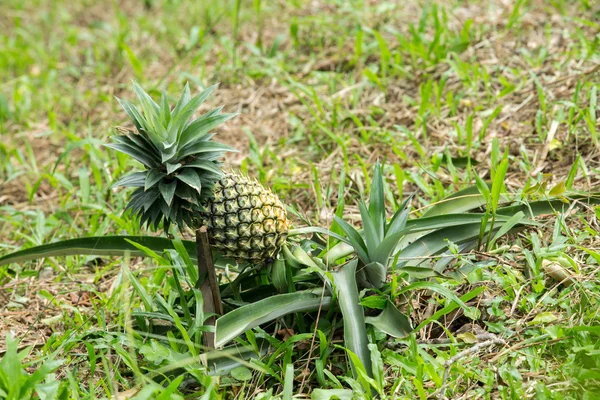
(245, 220)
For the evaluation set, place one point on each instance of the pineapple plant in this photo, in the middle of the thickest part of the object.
(183, 183)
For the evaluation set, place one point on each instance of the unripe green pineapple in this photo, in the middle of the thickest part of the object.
(245, 220)
(183, 184)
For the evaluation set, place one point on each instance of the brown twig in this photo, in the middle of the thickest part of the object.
(207, 283)
(463, 354)
(439, 342)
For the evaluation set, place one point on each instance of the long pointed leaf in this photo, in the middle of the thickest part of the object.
(356, 241)
(190, 177)
(104, 246)
(355, 331)
(436, 242)
(134, 152)
(377, 202)
(464, 200)
(95, 246)
(202, 126)
(391, 321)
(238, 321)
(398, 221)
(180, 119)
(134, 179)
(203, 147)
(371, 235)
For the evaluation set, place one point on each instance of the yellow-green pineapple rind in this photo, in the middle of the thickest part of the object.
(245, 220)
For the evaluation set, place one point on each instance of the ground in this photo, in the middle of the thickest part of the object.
(321, 87)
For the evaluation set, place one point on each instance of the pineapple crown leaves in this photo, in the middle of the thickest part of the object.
(378, 242)
(180, 159)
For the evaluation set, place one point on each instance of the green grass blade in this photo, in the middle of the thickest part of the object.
(498, 184)
(451, 307)
(288, 386)
(447, 293)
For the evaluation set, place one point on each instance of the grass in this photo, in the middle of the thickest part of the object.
(445, 92)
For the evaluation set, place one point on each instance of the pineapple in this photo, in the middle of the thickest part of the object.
(245, 220)
(183, 183)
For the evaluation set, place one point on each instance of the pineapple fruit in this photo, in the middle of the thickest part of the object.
(183, 184)
(245, 220)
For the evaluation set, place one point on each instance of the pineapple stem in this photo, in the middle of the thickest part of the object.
(207, 283)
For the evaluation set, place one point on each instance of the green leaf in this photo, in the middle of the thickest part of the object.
(543, 318)
(165, 109)
(279, 275)
(134, 152)
(288, 385)
(242, 319)
(223, 361)
(104, 246)
(197, 147)
(182, 116)
(461, 201)
(188, 194)
(209, 166)
(242, 374)
(202, 126)
(301, 256)
(183, 99)
(436, 242)
(377, 369)
(558, 190)
(400, 218)
(391, 321)
(134, 114)
(370, 232)
(498, 184)
(375, 301)
(355, 332)
(448, 221)
(417, 225)
(356, 241)
(139, 288)
(470, 312)
(97, 246)
(377, 202)
(151, 112)
(172, 167)
(385, 250)
(483, 187)
(190, 177)
(134, 179)
(153, 177)
(508, 225)
(148, 252)
(166, 393)
(167, 190)
(329, 394)
(40, 374)
(144, 98)
(372, 275)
